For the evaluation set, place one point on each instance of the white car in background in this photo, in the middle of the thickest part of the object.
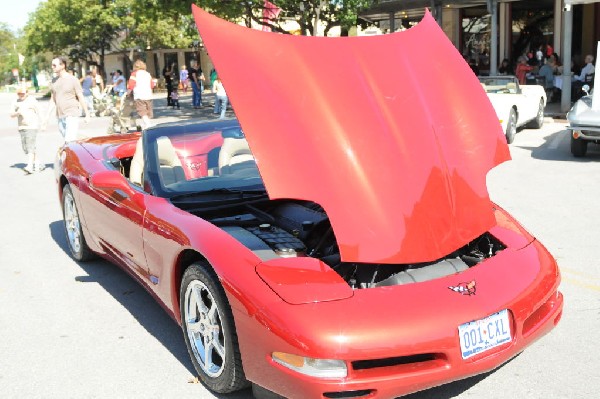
(516, 105)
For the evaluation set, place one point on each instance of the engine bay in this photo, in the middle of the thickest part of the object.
(291, 228)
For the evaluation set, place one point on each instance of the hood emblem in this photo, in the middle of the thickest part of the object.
(465, 288)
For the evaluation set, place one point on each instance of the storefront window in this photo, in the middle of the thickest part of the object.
(532, 30)
(476, 31)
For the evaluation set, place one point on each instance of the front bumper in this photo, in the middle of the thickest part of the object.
(590, 133)
(404, 346)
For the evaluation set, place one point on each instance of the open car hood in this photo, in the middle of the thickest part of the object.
(392, 135)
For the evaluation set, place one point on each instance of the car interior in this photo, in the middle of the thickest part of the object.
(495, 85)
(186, 160)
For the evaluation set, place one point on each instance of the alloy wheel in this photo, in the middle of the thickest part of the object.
(204, 328)
(72, 225)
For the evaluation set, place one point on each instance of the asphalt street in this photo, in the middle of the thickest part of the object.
(70, 330)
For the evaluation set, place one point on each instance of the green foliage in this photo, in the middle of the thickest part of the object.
(331, 13)
(9, 50)
(86, 29)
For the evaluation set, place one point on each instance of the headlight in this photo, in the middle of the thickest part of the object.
(321, 368)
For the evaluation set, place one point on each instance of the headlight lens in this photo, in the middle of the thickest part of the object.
(321, 368)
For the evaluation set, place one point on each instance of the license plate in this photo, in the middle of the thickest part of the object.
(482, 335)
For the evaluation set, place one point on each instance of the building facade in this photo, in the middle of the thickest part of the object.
(522, 26)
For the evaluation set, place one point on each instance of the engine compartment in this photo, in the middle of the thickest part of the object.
(291, 228)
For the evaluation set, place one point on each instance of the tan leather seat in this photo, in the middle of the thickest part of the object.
(171, 169)
(136, 168)
(234, 151)
(512, 87)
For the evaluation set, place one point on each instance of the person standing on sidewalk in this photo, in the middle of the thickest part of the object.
(141, 85)
(197, 78)
(87, 85)
(27, 112)
(67, 97)
(221, 100)
(183, 78)
(168, 76)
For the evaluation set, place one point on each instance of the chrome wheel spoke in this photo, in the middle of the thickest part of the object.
(219, 348)
(194, 327)
(72, 224)
(208, 363)
(212, 314)
(203, 326)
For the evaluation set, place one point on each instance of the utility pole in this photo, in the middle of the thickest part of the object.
(565, 100)
(492, 6)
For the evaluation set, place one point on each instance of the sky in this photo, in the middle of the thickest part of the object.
(19, 13)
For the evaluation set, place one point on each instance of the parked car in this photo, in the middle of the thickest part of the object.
(584, 123)
(516, 105)
(336, 241)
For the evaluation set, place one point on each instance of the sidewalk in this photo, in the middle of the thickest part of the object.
(553, 110)
(162, 113)
(99, 126)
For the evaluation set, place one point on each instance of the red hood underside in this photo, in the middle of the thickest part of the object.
(392, 135)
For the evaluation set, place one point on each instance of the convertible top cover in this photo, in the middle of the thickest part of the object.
(392, 135)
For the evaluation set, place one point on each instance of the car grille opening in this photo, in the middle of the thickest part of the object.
(394, 361)
(538, 317)
(349, 394)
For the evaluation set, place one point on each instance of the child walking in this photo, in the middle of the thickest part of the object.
(175, 98)
(27, 112)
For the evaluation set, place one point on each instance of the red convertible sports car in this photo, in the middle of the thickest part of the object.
(337, 239)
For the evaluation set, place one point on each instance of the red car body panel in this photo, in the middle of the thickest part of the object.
(406, 191)
(420, 185)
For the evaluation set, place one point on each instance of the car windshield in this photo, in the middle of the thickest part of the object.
(499, 84)
(200, 158)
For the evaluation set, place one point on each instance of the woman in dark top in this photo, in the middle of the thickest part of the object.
(505, 68)
(168, 75)
(197, 78)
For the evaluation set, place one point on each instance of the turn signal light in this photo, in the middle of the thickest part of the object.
(576, 134)
(321, 368)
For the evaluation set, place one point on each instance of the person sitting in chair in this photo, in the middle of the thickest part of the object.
(588, 69)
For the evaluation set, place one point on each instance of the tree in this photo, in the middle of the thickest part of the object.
(331, 13)
(9, 53)
(83, 29)
(87, 29)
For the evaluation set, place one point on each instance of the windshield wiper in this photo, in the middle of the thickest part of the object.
(229, 193)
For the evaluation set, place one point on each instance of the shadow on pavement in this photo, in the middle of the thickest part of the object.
(549, 152)
(17, 165)
(132, 297)
(453, 389)
(138, 302)
(450, 390)
(164, 113)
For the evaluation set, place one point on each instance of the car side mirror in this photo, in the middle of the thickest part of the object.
(586, 89)
(109, 179)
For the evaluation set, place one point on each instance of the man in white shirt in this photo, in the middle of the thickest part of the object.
(587, 69)
(141, 85)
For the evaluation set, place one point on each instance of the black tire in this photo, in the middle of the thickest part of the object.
(511, 126)
(538, 122)
(209, 333)
(578, 147)
(72, 224)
